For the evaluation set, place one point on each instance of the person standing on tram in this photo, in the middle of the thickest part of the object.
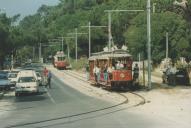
(110, 70)
(96, 72)
(105, 73)
(136, 72)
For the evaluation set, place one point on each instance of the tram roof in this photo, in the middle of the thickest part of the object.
(113, 54)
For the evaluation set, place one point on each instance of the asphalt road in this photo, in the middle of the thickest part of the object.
(64, 107)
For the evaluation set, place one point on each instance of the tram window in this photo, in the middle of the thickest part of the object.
(61, 58)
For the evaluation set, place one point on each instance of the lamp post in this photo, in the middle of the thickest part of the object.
(89, 28)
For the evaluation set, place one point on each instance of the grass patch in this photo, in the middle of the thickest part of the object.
(79, 64)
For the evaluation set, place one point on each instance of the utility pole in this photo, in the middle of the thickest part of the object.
(139, 56)
(68, 52)
(89, 27)
(67, 44)
(76, 41)
(12, 61)
(89, 38)
(166, 45)
(33, 53)
(109, 23)
(68, 47)
(154, 7)
(62, 44)
(149, 41)
(109, 30)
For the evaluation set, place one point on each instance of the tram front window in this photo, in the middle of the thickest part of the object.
(119, 65)
(61, 58)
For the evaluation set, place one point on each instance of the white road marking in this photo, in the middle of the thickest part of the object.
(51, 98)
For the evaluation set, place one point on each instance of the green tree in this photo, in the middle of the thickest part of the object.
(169, 22)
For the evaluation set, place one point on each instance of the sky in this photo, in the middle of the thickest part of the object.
(23, 7)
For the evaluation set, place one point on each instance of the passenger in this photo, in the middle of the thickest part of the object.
(136, 72)
(105, 73)
(165, 76)
(110, 70)
(119, 65)
(96, 72)
(87, 71)
(49, 79)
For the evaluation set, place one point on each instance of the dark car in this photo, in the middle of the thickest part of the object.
(181, 77)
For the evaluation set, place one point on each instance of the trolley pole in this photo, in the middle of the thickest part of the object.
(109, 23)
(89, 27)
(149, 41)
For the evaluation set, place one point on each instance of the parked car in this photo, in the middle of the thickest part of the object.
(181, 77)
(12, 76)
(27, 82)
(5, 83)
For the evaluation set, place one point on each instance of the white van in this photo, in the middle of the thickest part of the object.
(27, 82)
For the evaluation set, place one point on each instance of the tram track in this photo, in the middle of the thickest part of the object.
(77, 76)
(103, 111)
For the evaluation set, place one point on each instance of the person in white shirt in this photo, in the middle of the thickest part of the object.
(173, 71)
(110, 70)
(119, 65)
(96, 72)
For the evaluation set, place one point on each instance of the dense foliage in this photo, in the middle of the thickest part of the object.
(128, 28)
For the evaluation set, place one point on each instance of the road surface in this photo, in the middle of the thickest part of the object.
(64, 107)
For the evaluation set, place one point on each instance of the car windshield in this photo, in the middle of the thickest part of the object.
(26, 79)
(3, 77)
(13, 75)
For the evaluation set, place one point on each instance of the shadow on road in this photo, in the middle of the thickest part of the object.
(30, 97)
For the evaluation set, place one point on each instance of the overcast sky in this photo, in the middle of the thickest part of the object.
(23, 7)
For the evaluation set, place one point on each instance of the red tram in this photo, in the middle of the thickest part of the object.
(60, 61)
(119, 69)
